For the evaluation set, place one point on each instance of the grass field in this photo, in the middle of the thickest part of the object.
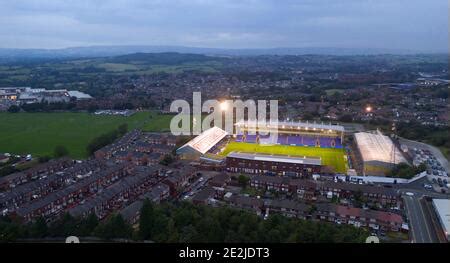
(39, 133)
(330, 157)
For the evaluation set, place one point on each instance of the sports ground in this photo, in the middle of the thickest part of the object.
(39, 133)
(330, 156)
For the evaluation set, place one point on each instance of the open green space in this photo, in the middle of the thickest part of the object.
(333, 91)
(39, 133)
(117, 67)
(330, 156)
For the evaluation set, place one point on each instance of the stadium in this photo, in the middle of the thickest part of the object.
(295, 149)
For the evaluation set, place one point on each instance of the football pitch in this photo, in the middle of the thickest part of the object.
(330, 156)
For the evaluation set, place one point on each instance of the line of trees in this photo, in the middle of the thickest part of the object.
(43, 107)
(185, 222)
(405, 171)
(438, 136)
(106, 138)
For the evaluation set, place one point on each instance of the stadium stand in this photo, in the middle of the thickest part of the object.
(293, 140)
(202, 143)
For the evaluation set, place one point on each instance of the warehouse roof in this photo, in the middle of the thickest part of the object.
(378, 147)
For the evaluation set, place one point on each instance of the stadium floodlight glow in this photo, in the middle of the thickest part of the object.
(224, 106)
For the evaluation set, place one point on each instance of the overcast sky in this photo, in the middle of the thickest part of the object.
(396, 24)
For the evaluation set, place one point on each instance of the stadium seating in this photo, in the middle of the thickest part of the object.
(338, 143)
(294, 140)
(282, 139)
(308, 141)
(326, 142)
(250, 138)
(297, 140)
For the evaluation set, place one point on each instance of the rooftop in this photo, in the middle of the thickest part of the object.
(378, 147)
(442, 207)
(206, 140)
(276, 158)
(293, 125)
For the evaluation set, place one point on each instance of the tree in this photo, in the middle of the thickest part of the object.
(13, 109)
(88, 225)
(122, 129)
(106, 138)
(43, 159)
(64, 227)
(92, 108)
(115, 227)
(146, 220)
(346, 118)
(39, 228)
(403, 170)
(168, 159)
(243, 180)
(60, 151)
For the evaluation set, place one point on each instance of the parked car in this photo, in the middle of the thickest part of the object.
(428, 186)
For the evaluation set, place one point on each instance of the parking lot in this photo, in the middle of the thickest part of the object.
(437, 175)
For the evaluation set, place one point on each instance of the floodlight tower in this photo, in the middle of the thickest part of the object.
(394, 149)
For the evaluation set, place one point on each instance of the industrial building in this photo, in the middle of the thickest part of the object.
(378, 153)
(23, 95)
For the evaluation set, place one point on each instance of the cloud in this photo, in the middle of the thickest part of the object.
(412, 24)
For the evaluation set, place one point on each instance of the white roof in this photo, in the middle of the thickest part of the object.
(79, 95)
(27, 96)
(206, 140)
(275, 158)
(292, 125)
(442, 207)
(377, 147)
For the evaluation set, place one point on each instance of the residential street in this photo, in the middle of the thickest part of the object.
(422, 230)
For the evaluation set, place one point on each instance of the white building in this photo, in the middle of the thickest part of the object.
(442, 208)
(378, 152)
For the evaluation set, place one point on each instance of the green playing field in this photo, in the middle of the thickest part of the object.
(335, 158)
(39, 133)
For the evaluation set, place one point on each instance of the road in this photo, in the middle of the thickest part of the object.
(421, 227)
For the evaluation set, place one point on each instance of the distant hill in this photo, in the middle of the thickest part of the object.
(10, 54)
(166, 58)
